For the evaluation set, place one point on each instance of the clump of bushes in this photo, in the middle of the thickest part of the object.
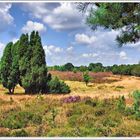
(19, 120)
(99, 112)
(86, 77)
(90, 103)
(19, 133)
(57, 86)
(121, 105)
(134, 110)
(136, 105)
(71, 99)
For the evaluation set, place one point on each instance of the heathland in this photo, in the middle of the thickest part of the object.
(106, 107)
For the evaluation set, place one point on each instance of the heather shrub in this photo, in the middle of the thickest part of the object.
(57, 86)
(19, 133)
(4, 132)
(122, 132)
(15, 120)
(90, 103)
(111, 122)
(121, 105)
(71, 99)
(136, 105)
(129, 111)
(99, 112)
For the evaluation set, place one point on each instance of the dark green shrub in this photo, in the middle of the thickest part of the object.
(37, 119)
(99, 112)
(86, 77)
(57, 86)
(129, 111)
(120, 87)
(19, 133)
(90, 103)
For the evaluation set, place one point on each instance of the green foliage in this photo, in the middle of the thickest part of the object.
(75, 70)
(95, 67)
(57, 86)
(91, 103)
(17, 120)
(32, 64)
(136, 105)
(76, 119)
(68, 67)
(99, 112)
(136, 71)
(121, 105)
(98, 67)
(19, 133)
(129, 111)
(122, 16)
(9, 67)
(86, 78)
(54, 113)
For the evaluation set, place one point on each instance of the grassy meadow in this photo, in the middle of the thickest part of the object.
(88, 111)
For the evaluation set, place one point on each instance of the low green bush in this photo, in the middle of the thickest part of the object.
(99, 112)
(121, 105)
(57, 86)
(90, 103)
(129, 111)
(16, 120)
(19, 133)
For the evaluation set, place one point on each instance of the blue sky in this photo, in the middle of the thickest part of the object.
(65, 35)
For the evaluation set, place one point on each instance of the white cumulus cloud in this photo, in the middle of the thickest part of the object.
(6, 18)
(30, 26)
(51, 49)
(70, 48)
(59, 16)
(89, 55)
(123, 55)
(2, 46)
(84, 39)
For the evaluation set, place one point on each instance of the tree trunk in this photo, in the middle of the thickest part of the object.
(10, 91)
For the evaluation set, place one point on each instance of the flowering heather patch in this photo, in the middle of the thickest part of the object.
(71, 99)
(99, 77)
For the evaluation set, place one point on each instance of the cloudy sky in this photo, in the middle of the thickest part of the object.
(65, 36)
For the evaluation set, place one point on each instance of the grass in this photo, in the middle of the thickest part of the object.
(95, 115)
(43, 117)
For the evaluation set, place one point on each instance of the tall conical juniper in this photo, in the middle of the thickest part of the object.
(9, 67)
(24, 63)
(32, 64)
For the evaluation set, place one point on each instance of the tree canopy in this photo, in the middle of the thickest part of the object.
(24, 63)
(124, 17)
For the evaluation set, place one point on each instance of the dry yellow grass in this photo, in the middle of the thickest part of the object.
(125, 85)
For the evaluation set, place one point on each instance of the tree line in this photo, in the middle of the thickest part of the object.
(24, 63)
(122, 69)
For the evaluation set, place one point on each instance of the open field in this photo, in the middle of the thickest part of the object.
(121, 85)
(94, 114)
